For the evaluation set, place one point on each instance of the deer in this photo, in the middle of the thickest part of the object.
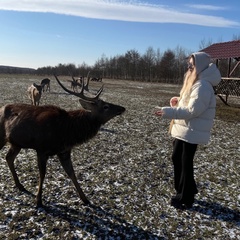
(51, 130)
(96, 79)
(74, 83)
(35, 93)
(45, 84)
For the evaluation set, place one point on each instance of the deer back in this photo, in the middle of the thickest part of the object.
(47, 129)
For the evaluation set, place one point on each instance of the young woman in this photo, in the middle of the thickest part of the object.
(192, 113)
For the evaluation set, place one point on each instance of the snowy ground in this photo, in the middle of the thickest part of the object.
(126, 173)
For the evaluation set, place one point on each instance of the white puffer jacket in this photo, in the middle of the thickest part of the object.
(193, 117)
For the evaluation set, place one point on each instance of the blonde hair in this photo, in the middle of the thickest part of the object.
(189, 79)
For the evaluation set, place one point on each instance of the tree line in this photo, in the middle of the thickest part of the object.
(152, 66)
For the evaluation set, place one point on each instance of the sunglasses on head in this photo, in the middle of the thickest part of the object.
(190, 65)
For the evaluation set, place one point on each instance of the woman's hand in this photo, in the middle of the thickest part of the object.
(173, 101)
(159, 112)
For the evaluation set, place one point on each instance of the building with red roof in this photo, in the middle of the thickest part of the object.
(229, 86)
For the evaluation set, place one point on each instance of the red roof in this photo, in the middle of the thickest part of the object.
(223, 50)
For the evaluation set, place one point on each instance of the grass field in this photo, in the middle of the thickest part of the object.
(125, 171)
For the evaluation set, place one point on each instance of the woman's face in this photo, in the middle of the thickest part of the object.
(190, 64)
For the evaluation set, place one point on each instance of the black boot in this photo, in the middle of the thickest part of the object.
(180, 204)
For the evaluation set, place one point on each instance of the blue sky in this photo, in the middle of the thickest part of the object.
(37, 33)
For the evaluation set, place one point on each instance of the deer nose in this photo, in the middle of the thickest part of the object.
(121, 110)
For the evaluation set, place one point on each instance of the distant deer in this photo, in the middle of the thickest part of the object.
(75, 84)
(51, 130)
(45, 84)
(35, 93)
(96, 79)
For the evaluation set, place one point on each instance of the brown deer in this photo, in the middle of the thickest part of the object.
(35, 93)
(75, 84)
(51, 130)
(45, 84)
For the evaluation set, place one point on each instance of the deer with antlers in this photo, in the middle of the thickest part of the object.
(75, 84)
(51, 130)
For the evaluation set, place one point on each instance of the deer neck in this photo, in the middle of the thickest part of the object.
(84, 126)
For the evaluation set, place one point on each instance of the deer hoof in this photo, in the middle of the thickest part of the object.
(21, 188)
(86, 202)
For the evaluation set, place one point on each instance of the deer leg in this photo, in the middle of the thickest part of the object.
(2, 142)
(65, 159)
(42, 162)
(10, 157)
(2, 135)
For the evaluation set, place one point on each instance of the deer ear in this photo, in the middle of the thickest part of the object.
(88, 105)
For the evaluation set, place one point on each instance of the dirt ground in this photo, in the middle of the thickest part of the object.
(125, 171)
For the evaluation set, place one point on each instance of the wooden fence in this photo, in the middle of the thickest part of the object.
(228, 87)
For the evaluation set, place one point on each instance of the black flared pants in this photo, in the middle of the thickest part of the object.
(184, 183)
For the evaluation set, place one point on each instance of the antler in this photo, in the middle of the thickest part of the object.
(88, 79)
(80, 94)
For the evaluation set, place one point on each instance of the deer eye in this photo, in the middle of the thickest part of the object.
(105, 107)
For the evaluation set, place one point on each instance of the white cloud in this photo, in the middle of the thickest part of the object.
(133, 11)
(206, 7)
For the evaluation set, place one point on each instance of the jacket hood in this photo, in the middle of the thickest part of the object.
(211, 74)
(202, 61)
(205, 69)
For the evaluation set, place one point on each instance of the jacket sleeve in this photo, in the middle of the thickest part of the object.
(199, 102)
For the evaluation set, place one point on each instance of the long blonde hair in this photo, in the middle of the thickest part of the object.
(189, 79)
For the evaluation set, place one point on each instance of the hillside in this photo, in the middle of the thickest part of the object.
(16, 70)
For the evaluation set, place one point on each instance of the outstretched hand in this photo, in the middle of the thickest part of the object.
(159, 112)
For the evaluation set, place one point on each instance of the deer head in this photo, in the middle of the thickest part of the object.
(100, 109)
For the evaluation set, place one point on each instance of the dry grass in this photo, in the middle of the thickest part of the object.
(127, 174)
(228, 113)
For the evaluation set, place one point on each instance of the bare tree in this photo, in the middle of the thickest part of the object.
(168, 66)
(205, 43)
(132, 60)
(180, 55)
(149, 58)
(236, 37)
